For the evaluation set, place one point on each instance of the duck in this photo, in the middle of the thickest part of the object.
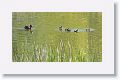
(67, 30)
(60, 28)
(28, 27)
(76, 30)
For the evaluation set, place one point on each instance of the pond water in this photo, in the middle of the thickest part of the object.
(46, 43)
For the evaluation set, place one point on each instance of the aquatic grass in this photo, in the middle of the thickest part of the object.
(53, 53)
(61, 52)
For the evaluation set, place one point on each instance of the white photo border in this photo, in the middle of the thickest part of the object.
(104, 67)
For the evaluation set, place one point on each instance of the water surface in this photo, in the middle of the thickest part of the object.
(46, 43)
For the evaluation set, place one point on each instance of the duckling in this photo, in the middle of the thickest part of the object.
(60, 28)
(67, 30)
(76, 30)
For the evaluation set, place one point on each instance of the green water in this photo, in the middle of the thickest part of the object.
(47, 44)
